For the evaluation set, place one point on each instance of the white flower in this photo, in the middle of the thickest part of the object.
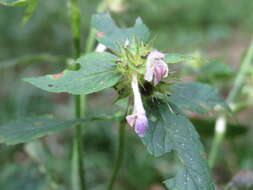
(138, 118)
(156, 68)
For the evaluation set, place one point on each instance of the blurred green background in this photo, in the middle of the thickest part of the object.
(217, 30)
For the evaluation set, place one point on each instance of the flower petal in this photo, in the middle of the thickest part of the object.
(141, 125)
(131, 119)
(160, 71)
(149, 71)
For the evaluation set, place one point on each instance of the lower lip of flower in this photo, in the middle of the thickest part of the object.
(141, 125)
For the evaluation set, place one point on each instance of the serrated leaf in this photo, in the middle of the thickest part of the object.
(111, 36)
(171, 130)
(97, 72)
(175, 58)
(12, 2)
(197, 97)
(27, 129)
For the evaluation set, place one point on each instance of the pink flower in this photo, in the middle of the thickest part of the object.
(156, 68)
(139, 122)
(138, 118)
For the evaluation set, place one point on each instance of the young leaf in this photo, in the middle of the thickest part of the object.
(12, 2)
(175, 58)
(110, 35)
(196, 97)
(97, 71)
(171, 130)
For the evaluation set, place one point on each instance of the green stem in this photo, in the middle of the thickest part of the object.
(120, 154)
(91, 37)
(245, 66)
(90, 41)
(78, 175)
(220, 130)
(220, 134)
(78, 172)
(76, 26)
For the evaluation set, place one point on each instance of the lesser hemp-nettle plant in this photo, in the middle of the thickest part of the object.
(155, 101)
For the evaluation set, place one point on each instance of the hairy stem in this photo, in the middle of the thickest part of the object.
(78, 174)
(120, 154)
(220, 126)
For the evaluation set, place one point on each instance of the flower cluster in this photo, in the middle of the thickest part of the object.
(156, 69)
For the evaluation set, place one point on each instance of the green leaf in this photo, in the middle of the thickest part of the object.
(197, 97)
(215, 68)
(97, 71)
(13, 2)
(27, 129)
(175, 58)
(214, 71)
(168, 130)
(111, 36)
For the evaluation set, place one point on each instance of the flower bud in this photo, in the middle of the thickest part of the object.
(156, 68)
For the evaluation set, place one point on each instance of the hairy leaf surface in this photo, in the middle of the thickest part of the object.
(97, 71)
(111, 36)
(171, 130)
(197, 97)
